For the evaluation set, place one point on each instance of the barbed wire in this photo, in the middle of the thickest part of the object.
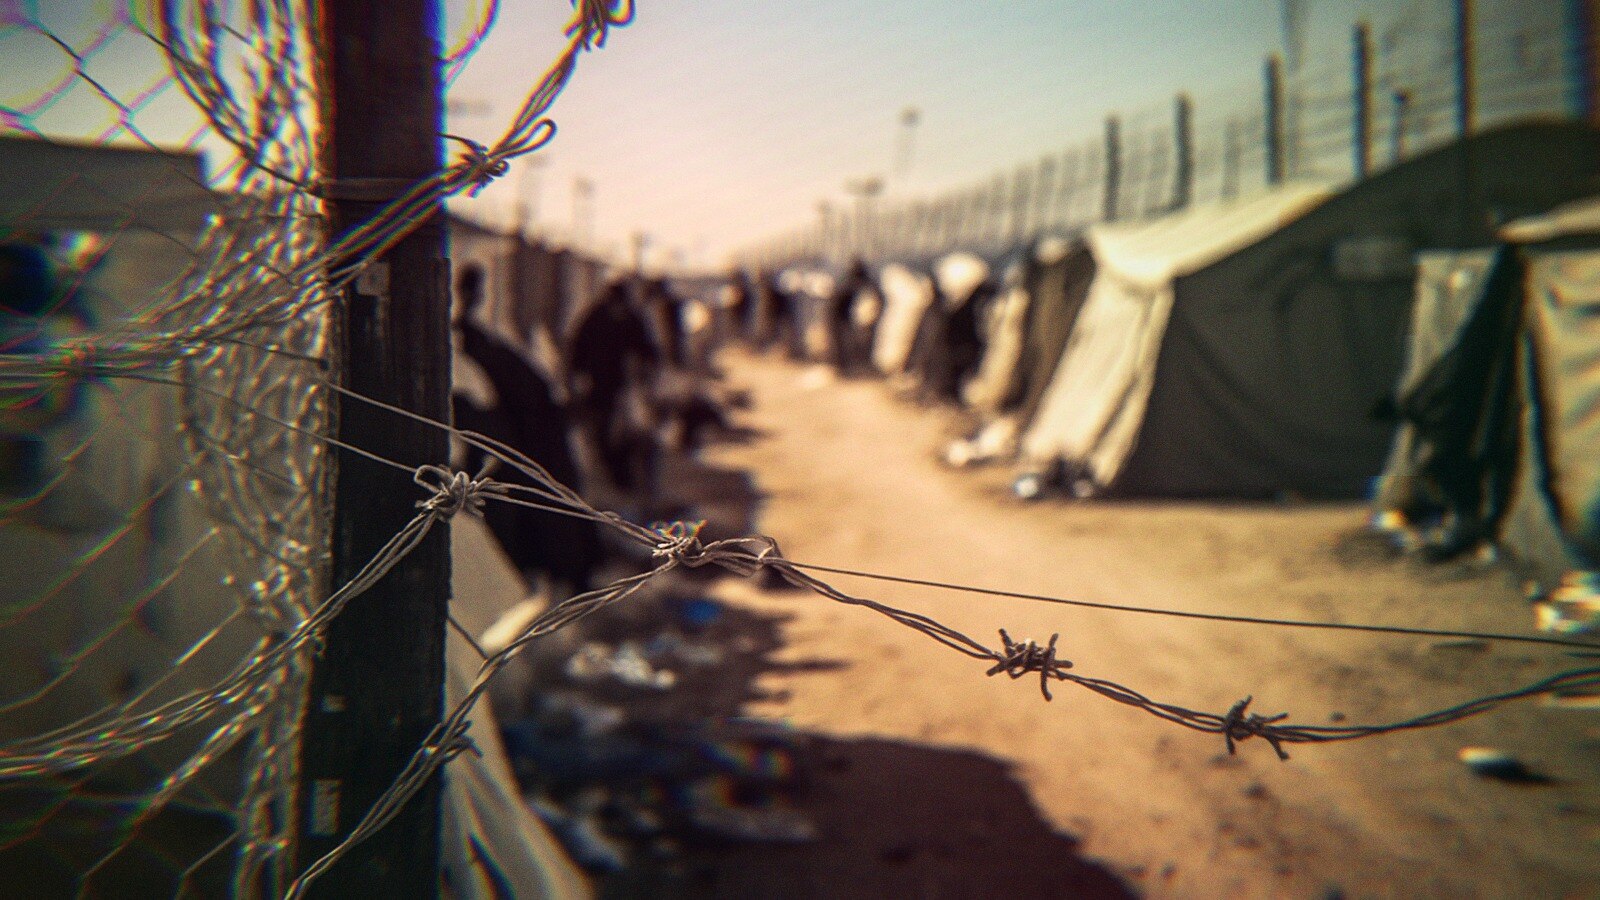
(678, 544)
(226, 319)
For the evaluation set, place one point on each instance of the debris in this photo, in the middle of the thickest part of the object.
(699, 613)
(1572, 607)
(566, 713)
(1489, 762)
(581, 835)
(627, 664)
(511, 624)
(712, 810)
(670, 647)
(1028, 486)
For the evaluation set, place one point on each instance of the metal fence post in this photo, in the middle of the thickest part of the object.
(1229, 186)
(1021, 199)
(1182, 151)
(1464, 67)
(377, 687)
(1113, 168)
(1402, 121)
(1044, 194)
(1273, 119)
(1361, 96)
(1584, 58)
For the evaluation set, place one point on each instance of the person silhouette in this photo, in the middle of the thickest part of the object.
(524, 414)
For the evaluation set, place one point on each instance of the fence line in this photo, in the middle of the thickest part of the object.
(1426, 78)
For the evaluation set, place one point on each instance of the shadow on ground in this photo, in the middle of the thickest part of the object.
(665, 788)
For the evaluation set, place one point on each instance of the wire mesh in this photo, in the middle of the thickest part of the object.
(155, 536)
(164, 413)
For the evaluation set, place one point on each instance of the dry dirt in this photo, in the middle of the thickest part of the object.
(941, 782)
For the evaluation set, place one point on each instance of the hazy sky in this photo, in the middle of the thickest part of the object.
(712, 123)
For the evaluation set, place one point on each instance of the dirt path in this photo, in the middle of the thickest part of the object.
(850, 480)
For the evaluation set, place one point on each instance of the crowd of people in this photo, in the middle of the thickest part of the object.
(625, 389)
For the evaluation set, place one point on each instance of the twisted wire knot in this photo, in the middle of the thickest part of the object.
(593, 18)
(680, 542)
(736, 554)
(1236, 726)
(482, 166)
(1018, 658)
(453, 491)
(458, 744)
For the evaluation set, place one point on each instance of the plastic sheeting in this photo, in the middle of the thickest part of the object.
(1561, 484)
(1449, 286)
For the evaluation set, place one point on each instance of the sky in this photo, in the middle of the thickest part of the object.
(711, 125)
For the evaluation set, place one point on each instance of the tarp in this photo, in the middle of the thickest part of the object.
(1092, 410)
(947, 346)
(1027, 331)
(1038, 276)
(1506, 341)
(1057, 294)
(1450, 285)
(1554, 521)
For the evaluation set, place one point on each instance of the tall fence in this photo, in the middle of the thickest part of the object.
(1435, 71)
(168, 375)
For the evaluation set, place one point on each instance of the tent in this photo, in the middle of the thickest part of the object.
(1239, 348)
(947, 346)
(1032, 318)
(1501, 398)
(907, 294)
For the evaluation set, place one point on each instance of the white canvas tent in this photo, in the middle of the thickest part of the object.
(906, 295)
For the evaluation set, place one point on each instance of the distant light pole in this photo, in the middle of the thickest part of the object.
(910, 118)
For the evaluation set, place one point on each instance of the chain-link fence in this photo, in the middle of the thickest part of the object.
(154, 536)
(164, 426)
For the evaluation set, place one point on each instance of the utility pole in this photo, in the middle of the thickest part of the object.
(377, 687)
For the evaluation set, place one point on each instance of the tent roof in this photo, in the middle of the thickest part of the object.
(47, 186)
(1153, 253)
(1577, 217)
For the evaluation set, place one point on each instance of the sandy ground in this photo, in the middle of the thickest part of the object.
(941, 782)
